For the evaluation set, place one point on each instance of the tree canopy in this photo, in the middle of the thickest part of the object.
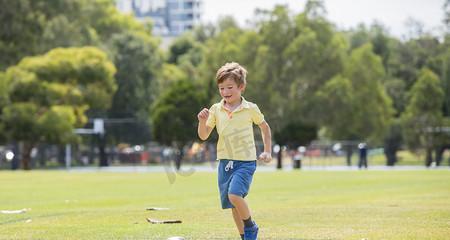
(48, 95)
(305, 74)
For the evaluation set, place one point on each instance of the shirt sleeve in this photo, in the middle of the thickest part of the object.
(211, 121)
(257, 116)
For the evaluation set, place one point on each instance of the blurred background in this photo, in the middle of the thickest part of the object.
(119, 83)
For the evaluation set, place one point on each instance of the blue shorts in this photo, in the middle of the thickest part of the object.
(235, 178)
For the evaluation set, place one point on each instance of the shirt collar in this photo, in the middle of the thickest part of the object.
(244, 104)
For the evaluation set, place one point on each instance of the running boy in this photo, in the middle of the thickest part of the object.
(233, 118)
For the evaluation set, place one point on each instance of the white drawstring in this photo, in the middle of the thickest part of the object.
(229, 166)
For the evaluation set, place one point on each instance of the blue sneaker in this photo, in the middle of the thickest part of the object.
(251, 233)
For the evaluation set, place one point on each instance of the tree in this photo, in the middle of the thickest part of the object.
(423, 113)
(182, 46)
(138, 61)
(446, 8)
(408, 58)
(315, 8)
(393, 142)
(49, 95)
(170, 74)
(440, 64)
(287, 57)
(227, 22)
(187, 54)
(317, 54)
(296, 134)
(401, 61)
(415, 28)
(442, 141)
(203, 32)
(336, 100)
(174, 114)
(31, 27)
(354, 105)
(372, 106)
(296, 62)
(266, 63)
(4, 99)
(359, 36)
(225, 47)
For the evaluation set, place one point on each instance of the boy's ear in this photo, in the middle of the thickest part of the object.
(242, 87)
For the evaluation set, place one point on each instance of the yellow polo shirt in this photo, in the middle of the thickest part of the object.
(235, 129)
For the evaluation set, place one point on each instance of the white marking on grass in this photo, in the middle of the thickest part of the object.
(15, 211)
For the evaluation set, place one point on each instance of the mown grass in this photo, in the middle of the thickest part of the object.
(286, 205)
(404, 158)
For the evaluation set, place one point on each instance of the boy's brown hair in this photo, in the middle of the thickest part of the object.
(232, 71)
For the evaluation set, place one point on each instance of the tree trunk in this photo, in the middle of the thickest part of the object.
(179, 157)
(440, 154)
(349, 153)
(101, 151)
(391, 155)
(279, 159)
(429, 157)
(391, 146)
(61, 155)
(15, 162)
(42, 154)
(391, 158)
(26, 155)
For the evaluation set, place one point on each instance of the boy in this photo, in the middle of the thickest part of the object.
(233, 118)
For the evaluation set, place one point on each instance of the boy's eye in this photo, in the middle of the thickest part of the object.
(230, 87)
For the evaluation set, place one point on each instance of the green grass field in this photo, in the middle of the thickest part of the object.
(287, 205)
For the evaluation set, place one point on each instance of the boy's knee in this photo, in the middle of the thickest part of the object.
(234, 198)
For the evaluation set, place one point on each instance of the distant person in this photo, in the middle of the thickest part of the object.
(362, 155)
(297, 158)
(233, 118)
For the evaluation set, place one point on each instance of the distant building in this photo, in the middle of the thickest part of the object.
(169, 17)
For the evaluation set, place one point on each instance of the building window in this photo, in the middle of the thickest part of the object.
(188, 5)
(172, 5)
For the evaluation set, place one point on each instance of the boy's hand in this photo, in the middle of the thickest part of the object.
(266, 157)
(203, 115)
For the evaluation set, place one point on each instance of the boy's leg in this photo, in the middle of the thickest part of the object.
(238, 188)
(250, 227)
(224, 179)
(240, 206)
(238, 220)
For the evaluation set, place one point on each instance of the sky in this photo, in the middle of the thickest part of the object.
(344, 13)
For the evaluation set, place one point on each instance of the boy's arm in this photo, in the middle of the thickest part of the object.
(267, 139)
(203, 130)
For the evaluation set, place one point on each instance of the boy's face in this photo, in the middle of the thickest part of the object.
(230, 91)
